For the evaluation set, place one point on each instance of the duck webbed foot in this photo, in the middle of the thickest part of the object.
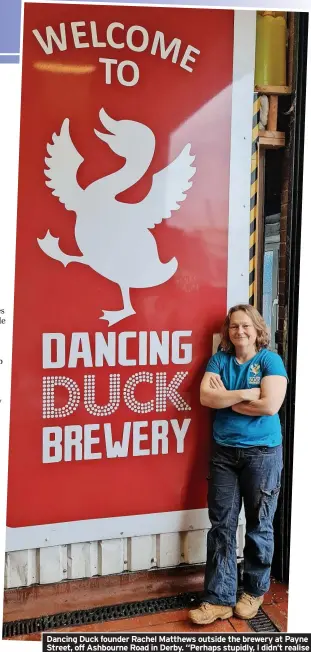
(51, 248)
(113, 316)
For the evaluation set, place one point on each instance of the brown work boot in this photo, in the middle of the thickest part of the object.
(247, 606)
(207, 613)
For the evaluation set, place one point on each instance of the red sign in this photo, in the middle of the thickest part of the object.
(121, 264)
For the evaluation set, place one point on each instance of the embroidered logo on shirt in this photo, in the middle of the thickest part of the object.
(254, 378)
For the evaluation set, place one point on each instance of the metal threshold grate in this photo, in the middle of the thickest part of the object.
(99, 614)
(261, 623)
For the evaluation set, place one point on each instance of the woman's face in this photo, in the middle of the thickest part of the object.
(242, 331)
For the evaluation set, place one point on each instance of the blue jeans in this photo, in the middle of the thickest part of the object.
(253, 474)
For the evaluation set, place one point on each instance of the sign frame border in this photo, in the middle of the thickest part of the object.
(42, 536)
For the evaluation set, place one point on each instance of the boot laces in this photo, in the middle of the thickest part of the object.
(250, 598)
(205, 605)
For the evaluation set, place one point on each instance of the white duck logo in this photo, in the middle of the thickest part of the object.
(114, 237)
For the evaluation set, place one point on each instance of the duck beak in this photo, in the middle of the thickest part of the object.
(109, 123)
(107, 138)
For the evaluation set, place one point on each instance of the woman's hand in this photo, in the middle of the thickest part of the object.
(251, 394)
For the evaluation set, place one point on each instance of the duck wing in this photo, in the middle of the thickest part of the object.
(63, 164)
(169, 188)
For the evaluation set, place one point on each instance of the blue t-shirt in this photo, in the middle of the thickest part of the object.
(231, 428)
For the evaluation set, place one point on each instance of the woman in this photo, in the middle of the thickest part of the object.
(246, 384)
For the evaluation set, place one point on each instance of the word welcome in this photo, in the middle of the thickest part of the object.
(136, 38)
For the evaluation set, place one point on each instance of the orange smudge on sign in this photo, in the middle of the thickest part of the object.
(63, 68)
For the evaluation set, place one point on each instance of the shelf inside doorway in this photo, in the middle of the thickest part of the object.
(273, 90)
(272, 139)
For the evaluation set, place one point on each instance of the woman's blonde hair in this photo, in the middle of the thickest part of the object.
(263, 335)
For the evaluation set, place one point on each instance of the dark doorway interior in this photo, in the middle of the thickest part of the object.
(284, 168)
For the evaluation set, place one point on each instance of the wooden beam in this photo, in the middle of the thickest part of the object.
(273, 113)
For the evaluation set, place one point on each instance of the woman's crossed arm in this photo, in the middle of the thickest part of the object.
(213, 393)
(272, 394)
